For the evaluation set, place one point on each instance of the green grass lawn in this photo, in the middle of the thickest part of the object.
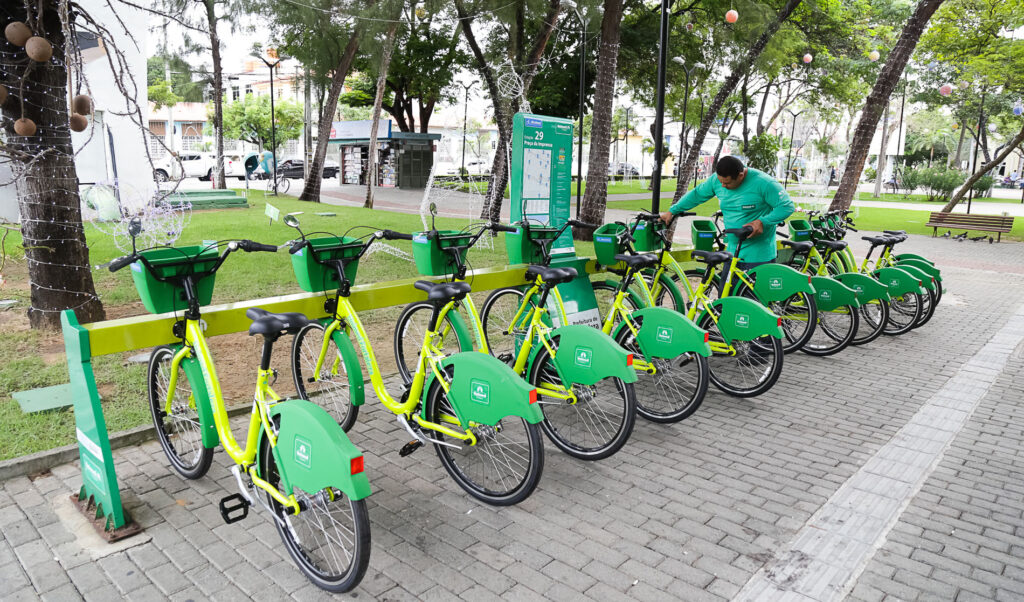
(887, 197)
(877, 219)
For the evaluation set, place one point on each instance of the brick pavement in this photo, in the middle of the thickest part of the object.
(691, 511)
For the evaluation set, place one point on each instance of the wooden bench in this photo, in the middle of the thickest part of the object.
(963, 221)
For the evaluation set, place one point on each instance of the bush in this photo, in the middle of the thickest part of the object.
(983, 187)
(762, 152)
(941, 182)
(869, 174)
(911, 179)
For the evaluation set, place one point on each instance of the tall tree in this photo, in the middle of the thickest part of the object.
(595, 197)
(382, 78)
(249, 119)
(876, 102)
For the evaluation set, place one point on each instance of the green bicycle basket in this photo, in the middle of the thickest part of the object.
(429, 254)
(314, 277)
(799, 229)
(703, 232)
(520, 247)
(607, 243)
(162, 297)
(646, 236)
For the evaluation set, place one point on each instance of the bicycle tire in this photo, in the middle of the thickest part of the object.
(496, 316)
(871, 324)
(661, 397)
(408, 343)
(837, 336)
(928, 303)
(331, 393)
(767, 347)
(299, 532)
(904, 311)
(493, 449)
(667, 297)
(590, 429)
(184, 418)
(799, 314)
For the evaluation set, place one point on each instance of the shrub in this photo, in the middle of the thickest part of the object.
(983, 187)
(911, 179)
(869, 174)
(762, 152)
(941, 182)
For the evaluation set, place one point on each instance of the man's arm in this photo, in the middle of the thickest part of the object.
(704, 192)
(782, 206)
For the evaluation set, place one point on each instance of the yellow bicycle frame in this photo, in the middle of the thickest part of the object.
(619, 309)
(195, 342)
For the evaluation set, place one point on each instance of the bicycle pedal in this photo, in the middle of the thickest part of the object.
(234, 508)
(410, 447)
(506, 357)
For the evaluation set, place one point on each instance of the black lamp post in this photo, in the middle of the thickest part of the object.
(583, 105)
(977, 143)
(273, 120)
(686, 97)
(465, 115)
(789, 155)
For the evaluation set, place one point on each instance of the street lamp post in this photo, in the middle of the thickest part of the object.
(583, 106)
(686, 97)
(977, 143)
(273, 120)
(695, 137)
(789, 155)
(465, 115)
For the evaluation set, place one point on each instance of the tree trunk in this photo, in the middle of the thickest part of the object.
(882, 154)
(595, 196)
(878, 99)
(218, 96)
(959, 145)
(51, 219)
(378, 99)
(760, 113)
(745, 140)
(727, 88)
(311, 191)
(721, 139)
(1009, 148)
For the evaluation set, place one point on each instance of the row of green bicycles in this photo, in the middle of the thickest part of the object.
(481, 387)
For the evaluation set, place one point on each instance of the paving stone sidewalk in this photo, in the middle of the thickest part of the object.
(685, 512)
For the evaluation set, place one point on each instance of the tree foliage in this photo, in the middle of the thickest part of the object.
(249, 119)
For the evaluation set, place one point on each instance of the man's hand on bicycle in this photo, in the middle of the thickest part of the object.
(757, 226)
(666, 216)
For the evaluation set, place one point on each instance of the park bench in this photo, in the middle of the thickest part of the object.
(980, 223)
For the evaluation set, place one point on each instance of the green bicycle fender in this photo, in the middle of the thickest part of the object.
(586, 355)
(633, 295)
(926, 280)
(829, 293)
(462, 332)
(742, 319)
(866, 288)
(899, 281)
(776, 282)
(484, 390)
(667, 334)
(313, 452)
(194, 373)
(903, 256)
(353, 370)
(924, 266)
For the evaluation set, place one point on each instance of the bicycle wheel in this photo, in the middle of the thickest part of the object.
(675, 390)
(330, 388)
(410, 332)
(696, 276)
(928, 303)
(594, 427)
(834, 331)
(179, 432)
(329, 539)
(873, 316)
(283, 186)
(664, 297)
(904, 311)
(605, 294)
(799, 315)
(503, 339)
(752, 371)
(504, 466)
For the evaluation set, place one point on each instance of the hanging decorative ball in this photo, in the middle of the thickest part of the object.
(956, 126)
(1018, 110)
(991, 127)
(420, 12)
(78, 122)
(3, 94)
(964, 83)
(17, 33)
(732, 16)
(82, 104)
(946, 89)
(874, 55)
(38, 49)
(808, 58)
(24, 127)
(689, 27)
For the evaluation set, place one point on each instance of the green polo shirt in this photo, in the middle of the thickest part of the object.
(760, 196)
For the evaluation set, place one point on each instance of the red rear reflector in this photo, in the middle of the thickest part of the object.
(357, 465)
(629, 359)
(808, 280)
(778, 321)
(707, 336)
(533, 396)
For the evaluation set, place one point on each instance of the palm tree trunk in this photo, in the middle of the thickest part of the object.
(218, 96)
(1009, 148)
(595, 197)
(742, 67)
(311, 190)
(879, 98)
(378, 100)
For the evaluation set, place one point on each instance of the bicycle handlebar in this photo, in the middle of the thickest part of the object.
(121, 262)
(392, 235)
(250, 246)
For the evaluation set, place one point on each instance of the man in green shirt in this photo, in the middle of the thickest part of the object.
(748, 197)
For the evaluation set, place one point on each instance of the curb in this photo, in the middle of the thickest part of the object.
(45, 460)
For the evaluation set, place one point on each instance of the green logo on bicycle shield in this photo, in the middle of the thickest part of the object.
(894, 283)
(858, 288)
(584, 356)
(742, 320)
(775, 284)
(480, 391)
(826, 295)
(664, 334)
(303, 451)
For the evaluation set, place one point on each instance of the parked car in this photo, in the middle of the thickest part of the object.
(194, 164)
(295, 168)
(235, 167)
(623, 169)
(473, 168)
